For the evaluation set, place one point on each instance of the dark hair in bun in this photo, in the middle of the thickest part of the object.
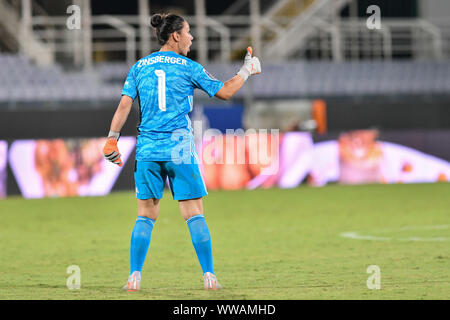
(165, 25)
(156, 20)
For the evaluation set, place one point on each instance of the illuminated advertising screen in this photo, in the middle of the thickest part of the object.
(356, 157)
(65, 167)
(3, 157)
(236, 161)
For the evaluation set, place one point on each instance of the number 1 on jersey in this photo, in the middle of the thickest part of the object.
(161, 89)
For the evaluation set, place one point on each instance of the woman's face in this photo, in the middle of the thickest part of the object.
(185, 39)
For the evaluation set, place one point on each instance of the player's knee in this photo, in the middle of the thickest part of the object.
(191, 207)
(189, 215)
(151, 215)
(148, 208)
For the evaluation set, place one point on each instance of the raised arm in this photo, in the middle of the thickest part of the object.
(230, 87)
(251, 66)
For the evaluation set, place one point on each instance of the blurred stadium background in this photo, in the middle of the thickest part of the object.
(371, 104)
(354, 105)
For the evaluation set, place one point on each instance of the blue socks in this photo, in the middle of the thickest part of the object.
(140, 241)
(201, 239)
(200, 236)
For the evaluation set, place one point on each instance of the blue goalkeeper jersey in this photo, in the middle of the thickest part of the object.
(164, 84)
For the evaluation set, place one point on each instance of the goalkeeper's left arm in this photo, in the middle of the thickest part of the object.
(251, 66)
(110, 150)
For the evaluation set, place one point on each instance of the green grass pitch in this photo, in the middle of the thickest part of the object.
(267, 244)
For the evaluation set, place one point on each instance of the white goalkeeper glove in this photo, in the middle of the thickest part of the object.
(251, 65)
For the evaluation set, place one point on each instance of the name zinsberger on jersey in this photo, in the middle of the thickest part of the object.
(161, 59)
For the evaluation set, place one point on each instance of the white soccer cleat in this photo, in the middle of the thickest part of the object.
(210, 282)
(134, 282)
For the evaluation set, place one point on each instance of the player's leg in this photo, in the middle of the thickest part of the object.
(140, 240)
(140, 237)
(192, 212)
(187, 186)
(149, 179)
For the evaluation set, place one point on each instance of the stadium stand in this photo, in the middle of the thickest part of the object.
(21, 81)
(394, 79)
(344, 60)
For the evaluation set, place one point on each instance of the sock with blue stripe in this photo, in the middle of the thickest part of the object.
(201, 240)
(140, 241)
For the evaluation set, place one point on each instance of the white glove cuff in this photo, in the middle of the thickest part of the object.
(113, 134)
(244, 73)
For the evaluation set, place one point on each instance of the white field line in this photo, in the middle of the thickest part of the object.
(356, 235)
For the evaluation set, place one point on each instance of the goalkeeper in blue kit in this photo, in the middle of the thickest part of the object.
(164, 83)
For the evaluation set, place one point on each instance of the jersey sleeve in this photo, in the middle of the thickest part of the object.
(203, 80)
(129, 87)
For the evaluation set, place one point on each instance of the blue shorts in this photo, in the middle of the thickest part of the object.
(185, 180)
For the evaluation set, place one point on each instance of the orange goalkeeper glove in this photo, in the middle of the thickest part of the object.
(111, 151)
